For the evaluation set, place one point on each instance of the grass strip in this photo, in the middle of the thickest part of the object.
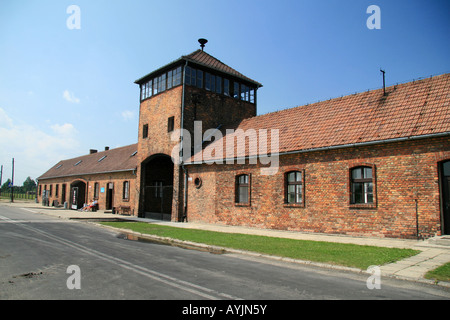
(441, 273)
(349, 255)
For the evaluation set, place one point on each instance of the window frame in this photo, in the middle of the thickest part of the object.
(300, 183)
(145, 131)
(126, 190)
(237, 190)
(171, 124)
(363, 180)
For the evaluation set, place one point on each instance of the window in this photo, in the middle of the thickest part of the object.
(57, 190)
(126, 190)
(51, 190)
(146, 90)
(208, 81)
(176, 80)
(236, 90)
(252, 95)
(169, 79)
(294, 187)
(218, 84)
(170, 124)
(244, 92)
(145, 131)
(226, 87)
(199, 79)
(96, 190)
(191, 76)
(361, 185)
(242, 189)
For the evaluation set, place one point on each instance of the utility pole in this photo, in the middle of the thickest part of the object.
(1, 176)
(12, 182)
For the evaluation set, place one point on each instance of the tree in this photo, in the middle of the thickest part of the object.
(29, 185)
(5, 186)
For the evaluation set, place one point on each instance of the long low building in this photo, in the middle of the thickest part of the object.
(107, 176)
(374, 163)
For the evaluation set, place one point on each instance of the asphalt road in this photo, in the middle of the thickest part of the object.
(46, 258)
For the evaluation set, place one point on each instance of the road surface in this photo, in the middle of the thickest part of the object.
(42, 257)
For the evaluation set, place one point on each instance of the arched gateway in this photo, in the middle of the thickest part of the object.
(157, 187)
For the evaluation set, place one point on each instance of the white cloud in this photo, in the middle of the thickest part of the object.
(69, 96)
(128, 115)
(65, 130)
(34, 150)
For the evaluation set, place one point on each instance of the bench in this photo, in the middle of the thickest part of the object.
(124, 210)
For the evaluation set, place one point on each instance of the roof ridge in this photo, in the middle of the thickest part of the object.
(351, 94)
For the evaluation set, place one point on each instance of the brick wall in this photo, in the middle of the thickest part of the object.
(406, 186)
(103, 180)
(210, 108)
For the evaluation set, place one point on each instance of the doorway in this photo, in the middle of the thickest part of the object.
(445, 195)
(77, 194)
(109, 196)
(157, 187)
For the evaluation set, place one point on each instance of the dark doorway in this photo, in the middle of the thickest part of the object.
(63, 193)
(109, 196)
(445, 195)
(77, 195)
(157, 191)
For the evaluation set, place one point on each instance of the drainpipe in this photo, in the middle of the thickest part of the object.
(182, 143)
(417, 218)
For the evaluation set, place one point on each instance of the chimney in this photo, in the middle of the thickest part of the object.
(384, 82)
(91, 151)
(106, 148)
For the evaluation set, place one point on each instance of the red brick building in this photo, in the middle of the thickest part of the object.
(375, 163)
(108, 176)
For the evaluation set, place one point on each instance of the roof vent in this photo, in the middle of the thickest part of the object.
(91, 151)
(106, 148)
(202, 42)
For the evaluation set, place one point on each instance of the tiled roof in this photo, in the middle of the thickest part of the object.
(408, 110)
(202, 58)
(114, 160)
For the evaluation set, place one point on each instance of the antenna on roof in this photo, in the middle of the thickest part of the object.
(202, 42)
(384, 82)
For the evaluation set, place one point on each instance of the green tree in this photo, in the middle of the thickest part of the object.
(29, 185)
(5, 186)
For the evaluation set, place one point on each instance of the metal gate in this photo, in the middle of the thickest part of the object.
(158, 201)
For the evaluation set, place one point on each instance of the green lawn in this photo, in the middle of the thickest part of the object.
(441, 274)
(327, 252)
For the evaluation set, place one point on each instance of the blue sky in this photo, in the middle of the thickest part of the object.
(64, 91)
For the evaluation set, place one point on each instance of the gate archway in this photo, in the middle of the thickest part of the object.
(157, 187)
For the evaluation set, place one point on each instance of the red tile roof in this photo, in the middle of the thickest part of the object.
(407, 110)
(115, 160)
(202, 58)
